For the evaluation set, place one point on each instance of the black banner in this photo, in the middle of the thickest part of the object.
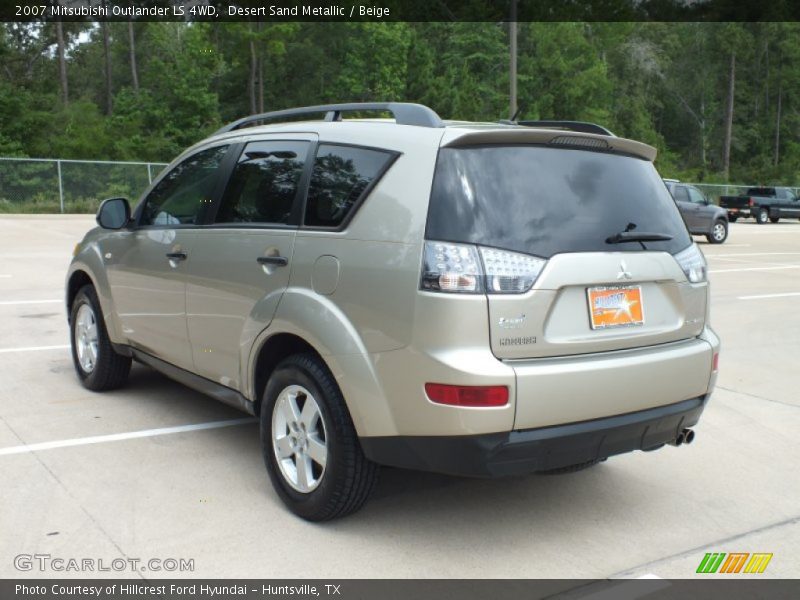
(389, 589)
(398, 10)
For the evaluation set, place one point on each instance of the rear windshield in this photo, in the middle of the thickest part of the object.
(546, 201)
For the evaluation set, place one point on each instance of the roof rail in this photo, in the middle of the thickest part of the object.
(405, 113)
(581, 126)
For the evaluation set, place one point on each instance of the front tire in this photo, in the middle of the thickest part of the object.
(762, 216)
(309, 443)
(98, 366)
(719, 232)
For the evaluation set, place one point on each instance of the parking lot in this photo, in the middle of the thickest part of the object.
(201, 492)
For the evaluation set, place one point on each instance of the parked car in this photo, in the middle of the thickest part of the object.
(701, 216)
(763, 204)
(467, 298)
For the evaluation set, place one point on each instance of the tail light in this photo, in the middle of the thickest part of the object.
(464, 268)
(467, 395)
(715, 362)
(693, 264)
(750, 202)
(451, 268)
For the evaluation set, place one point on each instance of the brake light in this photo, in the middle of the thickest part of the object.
(693, 264)
(465, 268)
(451, 268)
(750, 202)
(510, 272)
(715, 362)
(467, 395)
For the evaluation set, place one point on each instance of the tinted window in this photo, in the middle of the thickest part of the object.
(544, 201)
(760, 191)
(340, 178)
(680, 193)
(263, 185)
(185, 193)
(696, 197)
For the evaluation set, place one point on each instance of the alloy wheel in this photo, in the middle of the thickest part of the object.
(298, 439)
(86, 341)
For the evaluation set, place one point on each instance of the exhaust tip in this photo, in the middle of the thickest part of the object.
(678, 440)
(688, 436)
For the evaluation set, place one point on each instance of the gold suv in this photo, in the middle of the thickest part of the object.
(477, 299)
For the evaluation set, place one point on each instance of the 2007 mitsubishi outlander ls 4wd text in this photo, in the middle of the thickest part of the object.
(477, 299)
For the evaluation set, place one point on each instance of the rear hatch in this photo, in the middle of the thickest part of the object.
(576, 247)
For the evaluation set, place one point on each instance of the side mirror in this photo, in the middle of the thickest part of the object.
(114, 213)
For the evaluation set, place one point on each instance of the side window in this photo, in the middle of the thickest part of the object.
(680, 193)
(263, 185)
(184, 194)
(695, 196)
(341, 176)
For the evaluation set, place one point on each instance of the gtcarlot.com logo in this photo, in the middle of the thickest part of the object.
(734, 562)
(49, 563)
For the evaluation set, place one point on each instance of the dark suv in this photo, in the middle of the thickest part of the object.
(701, 216)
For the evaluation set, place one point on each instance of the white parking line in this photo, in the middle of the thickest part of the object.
(649, 576)
(15, 302)
(32, 349)
(786, 295)
(754, 269)
(3, 276)
(117, 437)
(756, 254)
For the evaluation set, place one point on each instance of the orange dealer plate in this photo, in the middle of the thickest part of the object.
(615, 306)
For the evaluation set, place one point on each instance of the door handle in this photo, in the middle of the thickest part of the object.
(278, 261)
(176, 255)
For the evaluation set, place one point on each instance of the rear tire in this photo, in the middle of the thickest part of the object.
(98, 366)
(761, 216)
(571, 468)
(309, 443)
(719, 232)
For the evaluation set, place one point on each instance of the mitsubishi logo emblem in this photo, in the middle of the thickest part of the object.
(623, 271)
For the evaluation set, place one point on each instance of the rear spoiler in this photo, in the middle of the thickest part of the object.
(456, 137)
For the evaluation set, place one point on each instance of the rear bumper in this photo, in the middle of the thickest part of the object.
(738, 212)
(527, 451)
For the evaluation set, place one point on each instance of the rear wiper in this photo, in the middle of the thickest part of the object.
(637, 236)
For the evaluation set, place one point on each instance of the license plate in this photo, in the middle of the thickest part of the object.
(615, 306)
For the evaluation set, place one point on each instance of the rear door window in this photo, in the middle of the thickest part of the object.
(263, 186)
(696, 197)
(681, 194)
(544, 201)
(342, 177)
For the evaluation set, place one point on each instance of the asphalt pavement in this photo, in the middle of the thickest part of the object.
(138, 474)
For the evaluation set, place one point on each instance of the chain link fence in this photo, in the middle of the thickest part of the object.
(714, 190)
(34, 185)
